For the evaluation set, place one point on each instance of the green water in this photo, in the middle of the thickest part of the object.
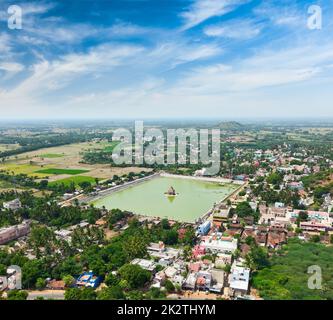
(193, 199)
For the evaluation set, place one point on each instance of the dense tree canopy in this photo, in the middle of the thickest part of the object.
(287, 276)
(134, 275)
(243, 209)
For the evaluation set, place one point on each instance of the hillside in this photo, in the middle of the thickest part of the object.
(230, 125)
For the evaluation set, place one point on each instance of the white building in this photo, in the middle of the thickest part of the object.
(321, 217)
(239, 280)
(67, 196)
(253, 205)
(190, 281)
(158, 250)
(279, 205)
(64, 234)
(216, 243)
(145, 264)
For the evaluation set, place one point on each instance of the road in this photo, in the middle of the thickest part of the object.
(47, 294)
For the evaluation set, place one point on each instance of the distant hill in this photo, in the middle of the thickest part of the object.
(230, 125)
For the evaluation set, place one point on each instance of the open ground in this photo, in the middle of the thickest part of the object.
(58, 163)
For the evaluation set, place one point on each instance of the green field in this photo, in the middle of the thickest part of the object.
(76, 180)
(51, 155)
(110, 146)
(62, 171)
(28, 169)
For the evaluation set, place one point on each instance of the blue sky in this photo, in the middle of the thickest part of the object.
(162, 59)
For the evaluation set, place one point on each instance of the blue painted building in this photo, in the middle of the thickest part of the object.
(204, 228)
(89, 280)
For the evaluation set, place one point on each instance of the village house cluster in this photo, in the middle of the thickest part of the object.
(217, 264)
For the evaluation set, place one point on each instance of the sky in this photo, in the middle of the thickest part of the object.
(225, 59)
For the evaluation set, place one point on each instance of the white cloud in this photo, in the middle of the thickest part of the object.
(34, 8)
(32, 40)
(52, 75)
(237, 29)
(265, 69)
(287, 14)
(201, 52)
(56, 31)
(126, 29)
(51, 30)
(5, 45)
(28, 8)
(11, 67)
(174, 53)
(213, 88)
(201, 10)
(171, 74)
(55, 34)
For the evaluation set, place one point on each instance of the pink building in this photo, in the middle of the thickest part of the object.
(198, 251)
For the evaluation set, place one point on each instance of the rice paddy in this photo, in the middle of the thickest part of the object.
(76, 180)
(62, 171)
(51, 155)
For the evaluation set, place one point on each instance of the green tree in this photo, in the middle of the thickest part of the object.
(40, 284)
(244, 209)
(286, 277)
(315, 238)
(41, 237)
(257, 258)
(249, 240)
(189, 237)
(3, 270)
(73, 294)
(165, 224)
(85, 185)
(169, 286)
(68, 280)
(111, 293)
(43, 184)
(31, 271)
(275, 178)
(17, 295)
(303, 216)
(170, 237)
(135, 247)
(135, 276)
(111, 280)
(155, 293)
(135, 295)
(80, 294)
